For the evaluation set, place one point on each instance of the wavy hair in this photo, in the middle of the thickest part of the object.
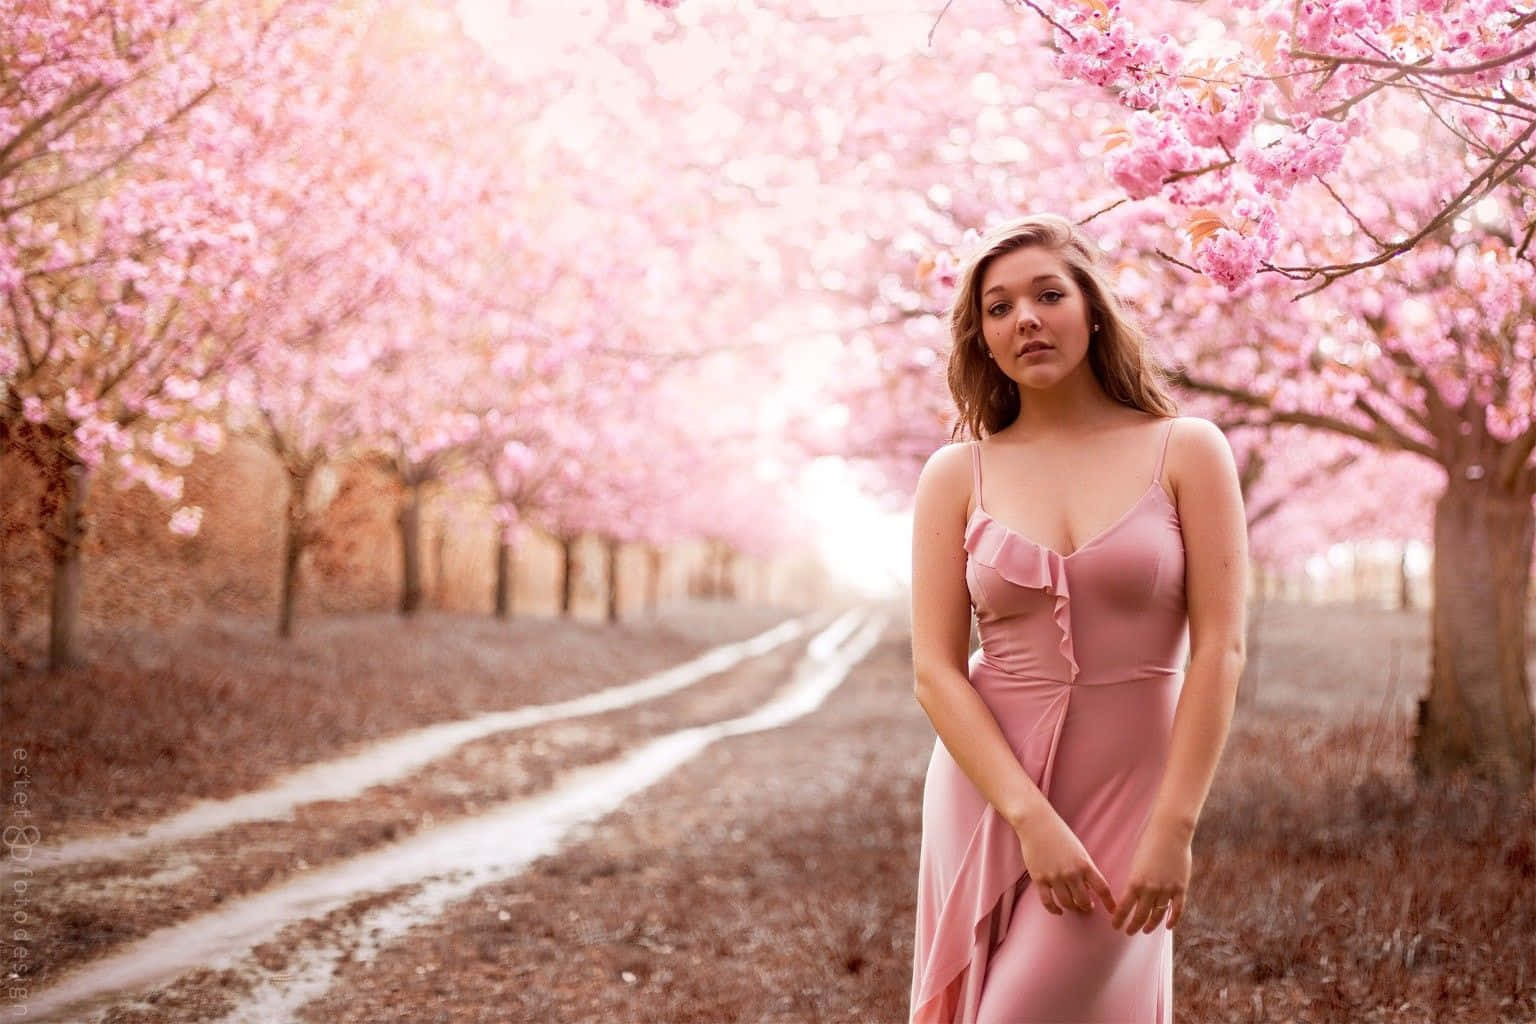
(986, 398)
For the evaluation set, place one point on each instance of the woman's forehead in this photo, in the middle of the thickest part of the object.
(1029, 265)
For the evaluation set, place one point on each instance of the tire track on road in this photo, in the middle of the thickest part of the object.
(385, 761)
(480, 850)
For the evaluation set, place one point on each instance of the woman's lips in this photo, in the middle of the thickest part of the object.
(1034, 348)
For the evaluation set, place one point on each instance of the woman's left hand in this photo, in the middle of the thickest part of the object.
(1159, 879)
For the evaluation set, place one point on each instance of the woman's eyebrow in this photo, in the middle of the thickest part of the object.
(1038, 277)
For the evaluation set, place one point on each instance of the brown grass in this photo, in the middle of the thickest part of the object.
(772, 878)
(218, 707)
(96, 907)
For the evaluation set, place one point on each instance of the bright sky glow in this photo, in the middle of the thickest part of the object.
(865, 547)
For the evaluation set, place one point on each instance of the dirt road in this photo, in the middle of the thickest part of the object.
(745, 849)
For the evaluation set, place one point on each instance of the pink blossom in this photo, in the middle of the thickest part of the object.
(1230, 258)
(10, 270)
(181, 388)
(164, 486)
(175, 452)
(186, 521)
(206, 434)
(76, 406)
(1158, 147)
(1312, 153)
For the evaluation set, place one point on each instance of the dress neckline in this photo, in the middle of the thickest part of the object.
(1124, 517)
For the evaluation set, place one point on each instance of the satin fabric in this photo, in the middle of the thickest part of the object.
(1081, 661)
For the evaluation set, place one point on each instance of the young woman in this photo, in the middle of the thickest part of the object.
(1100, 540)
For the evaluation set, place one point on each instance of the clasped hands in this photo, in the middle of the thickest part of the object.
(1066, 877)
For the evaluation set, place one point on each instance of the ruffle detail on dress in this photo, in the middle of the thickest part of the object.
(1024, 563)
(952, 963)
(992, 865)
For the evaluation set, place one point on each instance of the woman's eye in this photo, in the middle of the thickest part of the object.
(1001, 308)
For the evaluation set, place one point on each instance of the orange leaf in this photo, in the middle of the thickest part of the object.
(1202, 224)
(1101, 9)
(1266, 47)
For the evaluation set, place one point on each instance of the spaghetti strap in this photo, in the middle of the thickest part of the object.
(1157, 474)
(1081, 660)
(976, 472)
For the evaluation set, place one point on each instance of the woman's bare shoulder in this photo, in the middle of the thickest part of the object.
(951, 460)
(946, 476)
(1198, 434)
(1198, 453)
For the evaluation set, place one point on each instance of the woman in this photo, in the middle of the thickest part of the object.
(1100, 539)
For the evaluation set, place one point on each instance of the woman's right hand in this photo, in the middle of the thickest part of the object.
(1063, 873)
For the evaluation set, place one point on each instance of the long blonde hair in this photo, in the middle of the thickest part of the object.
(986, 398)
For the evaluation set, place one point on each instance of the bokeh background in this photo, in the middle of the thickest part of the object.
(388, 389)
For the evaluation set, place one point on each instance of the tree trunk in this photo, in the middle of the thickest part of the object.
(67, 540)
(295, 540)
(567, 574)
(1477, 714)
(612, 571)
(439, 569)
(652, 578)
(503, 577)
(1404, 582)
(1253, 646)
(8, 616)
(727, 577)
(410, 550)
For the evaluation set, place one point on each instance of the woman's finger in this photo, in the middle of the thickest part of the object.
(1177, 912)
(1106, 894)
(1081, 899)
(1139, 912)
(1127, 908)
(1048, 900)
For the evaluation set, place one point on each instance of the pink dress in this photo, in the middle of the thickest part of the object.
(1081, 661)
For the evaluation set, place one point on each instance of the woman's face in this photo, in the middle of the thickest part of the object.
(1029, 300)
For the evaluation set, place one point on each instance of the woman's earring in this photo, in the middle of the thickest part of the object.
(1095, 326)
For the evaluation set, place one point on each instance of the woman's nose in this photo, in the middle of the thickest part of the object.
(1027, 318)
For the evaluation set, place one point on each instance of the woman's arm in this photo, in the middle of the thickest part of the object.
(941, 633)
(1216, 589)
(1214, 525)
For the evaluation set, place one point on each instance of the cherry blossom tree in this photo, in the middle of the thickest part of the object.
(1398, 158)
(1205, 144)
(388, 219)
(127, 219)
(1233, 105)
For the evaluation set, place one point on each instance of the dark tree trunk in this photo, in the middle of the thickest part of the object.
(439, 569)
(67, 541)
(652, 578)
(8, 617)
(567, 574)
(296, 538)
(1477, 714)
(1404, 583)
(727, 579)
(1248, 683)
(612, 572)
(504, 578)
(410, 550)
